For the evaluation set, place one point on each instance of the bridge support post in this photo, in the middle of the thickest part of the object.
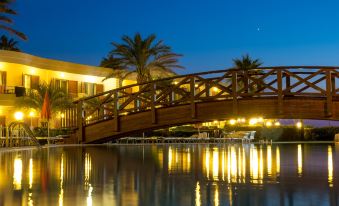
(280, 91)
(329, 93)
(192, 95)
(153, 98)
(116, 111)
(80, 133)
(235, 93)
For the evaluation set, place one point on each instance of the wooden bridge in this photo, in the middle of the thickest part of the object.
(289, 92)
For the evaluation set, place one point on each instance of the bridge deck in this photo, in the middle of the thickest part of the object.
(279, 92)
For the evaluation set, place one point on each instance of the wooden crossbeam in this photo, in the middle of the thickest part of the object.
(305, 81)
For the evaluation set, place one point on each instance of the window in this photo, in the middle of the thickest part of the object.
(30, 81)
(62, 84)
(3, 76)
(91, 88)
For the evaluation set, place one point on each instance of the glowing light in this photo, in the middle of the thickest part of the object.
(62, 75)
(88, 168)
(32, 71)
(30, 173)
(89, 196)
(254, 165)
(277, 124)
(269, 123)
(233, 164)
(207, 163)
(17, 175)
(215, 89)
(261, 165)
(299, 125)
(2, 65)
(175, 82)
(223, 164)
(233, 121)
(330, 165)
(31, 113)
(19, 116)
(260, 119)
(277, 159)
(243, 165)
(215, 122)
(215, 163)
(269, 160)
(62, 115)
(197, 195)
(300, 160)
(253, 121)
(216, 196)
(90, 79)
(170, 159)
(196, 85)
(61, 195)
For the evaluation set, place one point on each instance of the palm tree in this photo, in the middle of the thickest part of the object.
(248, 66)
(59, 99)
(8, 44)
(247, 63)
(5, 20)
(119, 70)
(146, 57)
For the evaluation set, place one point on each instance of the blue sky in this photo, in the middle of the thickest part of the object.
(208, 33)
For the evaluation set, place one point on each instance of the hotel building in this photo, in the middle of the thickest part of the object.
(20, 71)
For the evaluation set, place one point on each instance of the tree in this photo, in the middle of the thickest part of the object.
(145, 57)
(248, 66)
(8, 44)
(5, 20)
(247, 63)
(58, 98)
(119, 70)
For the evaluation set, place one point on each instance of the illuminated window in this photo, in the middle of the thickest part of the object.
(62, 84)
(30, 81)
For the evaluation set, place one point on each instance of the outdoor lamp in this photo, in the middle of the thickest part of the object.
(18, 116)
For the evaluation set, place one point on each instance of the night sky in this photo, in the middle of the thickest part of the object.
(208, 33)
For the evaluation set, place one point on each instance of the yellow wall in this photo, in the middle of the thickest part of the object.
(15, 72)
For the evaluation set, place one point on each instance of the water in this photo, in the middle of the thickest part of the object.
(281, 174)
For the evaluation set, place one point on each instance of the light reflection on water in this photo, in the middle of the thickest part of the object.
(198, 175)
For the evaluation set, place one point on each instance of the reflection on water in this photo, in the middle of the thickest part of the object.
(300, 160)
(17, 175)
(290, 174)
(330, 166)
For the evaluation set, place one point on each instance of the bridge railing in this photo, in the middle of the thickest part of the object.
(232, 84)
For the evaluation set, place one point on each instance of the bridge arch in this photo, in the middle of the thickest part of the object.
(287, 92)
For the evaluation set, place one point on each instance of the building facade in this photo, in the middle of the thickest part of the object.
(20, 71)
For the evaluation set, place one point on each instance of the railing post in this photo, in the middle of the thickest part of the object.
(288, 84)
(235, 93)
(116, 111)
(80, 122)
(7, 136)
(245, 78)
(333, 77)
(153, 98)
(280, 93)
(192, 97)
(329, 103)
